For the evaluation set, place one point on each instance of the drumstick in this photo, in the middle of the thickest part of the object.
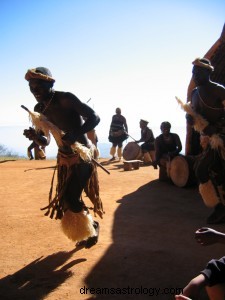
(130, 136)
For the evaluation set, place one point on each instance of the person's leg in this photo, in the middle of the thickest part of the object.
(146, 154)
(207, 188)
(75, 185)
(113, 151)
(77, 223)
(120, 150)
(29, 150)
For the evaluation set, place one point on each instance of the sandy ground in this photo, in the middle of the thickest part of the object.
(146, 248)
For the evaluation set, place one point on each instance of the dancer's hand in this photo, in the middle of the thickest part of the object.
(181, 297)
(208, 236)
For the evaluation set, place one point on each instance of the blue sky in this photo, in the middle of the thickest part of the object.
(133, 54)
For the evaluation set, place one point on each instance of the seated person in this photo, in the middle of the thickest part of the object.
(212, 278)
(167, 145)
(148, 139)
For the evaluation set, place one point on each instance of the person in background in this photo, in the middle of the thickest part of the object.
(39, 151)
(118, 133)
(167, 145)
(212, 278)
(147, 139)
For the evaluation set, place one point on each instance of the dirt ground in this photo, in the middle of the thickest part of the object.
(146, 248)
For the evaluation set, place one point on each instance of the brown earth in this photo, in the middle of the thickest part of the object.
(146, 238)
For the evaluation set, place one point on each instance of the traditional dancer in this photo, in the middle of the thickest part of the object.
(206, 114)
(60, 113)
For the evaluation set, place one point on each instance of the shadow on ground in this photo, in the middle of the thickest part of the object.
(39, 278)
(153, 251)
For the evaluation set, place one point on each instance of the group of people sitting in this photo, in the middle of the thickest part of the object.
(160, 150)
(155, 151)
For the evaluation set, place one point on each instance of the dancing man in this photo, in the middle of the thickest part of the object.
(61, 114)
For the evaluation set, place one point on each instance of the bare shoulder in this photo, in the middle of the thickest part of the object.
(219, 88)
(68, 99)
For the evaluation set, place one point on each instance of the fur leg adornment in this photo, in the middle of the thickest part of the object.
(208, 194)
(78, 226)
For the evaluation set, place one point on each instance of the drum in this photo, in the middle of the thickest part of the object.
(132, 151)
(181, 171)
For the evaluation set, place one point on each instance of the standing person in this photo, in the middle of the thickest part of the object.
(207, 116)
(148, 139)
(167, 145)
(212, 278)
(39, 151)
(117, 134)
(61, 113)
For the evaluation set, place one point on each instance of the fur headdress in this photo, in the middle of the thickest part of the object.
(39, 73)
(203, 63)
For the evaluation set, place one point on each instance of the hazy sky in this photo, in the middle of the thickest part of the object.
(132, 54)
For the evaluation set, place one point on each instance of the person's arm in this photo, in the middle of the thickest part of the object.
(141, 139)
(193, 288)
(178, 145)
(125, 125)
(214, 272)
(110, 127)
(157, 150)
(208, 236)
(149, 136)
(90, 116)
(220, 92)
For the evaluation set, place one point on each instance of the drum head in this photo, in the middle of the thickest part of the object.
(179, 171)
(131, 151)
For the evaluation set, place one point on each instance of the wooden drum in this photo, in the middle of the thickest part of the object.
(181, 171)
(132, 151)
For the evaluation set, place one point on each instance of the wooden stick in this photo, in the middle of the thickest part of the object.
(98, 164)
(24, 107)
(130, 136)
(40, 168)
